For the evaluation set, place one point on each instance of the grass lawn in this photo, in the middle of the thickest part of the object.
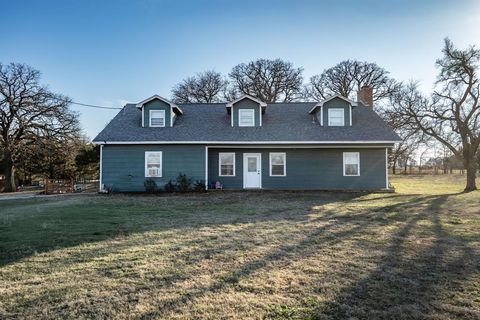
(274, 255)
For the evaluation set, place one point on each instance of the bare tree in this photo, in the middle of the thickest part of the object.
(412, 137)
(29, 112)
(206, 87)
(346, 79)
(453, 115)
(268, 80)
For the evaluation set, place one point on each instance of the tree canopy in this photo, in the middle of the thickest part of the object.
(347, 77)
(30, 113)
(206, 87)
(452, 115)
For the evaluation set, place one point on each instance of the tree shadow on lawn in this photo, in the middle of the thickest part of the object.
(321, 237)
(411, 287)
(60, 223)
(392, 279)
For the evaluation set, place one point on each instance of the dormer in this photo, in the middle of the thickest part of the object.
(335, 111)
(158, 112)
(246, 111)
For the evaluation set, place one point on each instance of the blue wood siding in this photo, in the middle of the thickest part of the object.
(336, 103)
(246, 104)
(156, 105)
(307, 169)
(123, 166)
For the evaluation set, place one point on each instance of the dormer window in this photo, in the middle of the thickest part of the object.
(335, 111)
(157, 118)
(336, 117)
(246, 118)
(158, 112)
(246, 111)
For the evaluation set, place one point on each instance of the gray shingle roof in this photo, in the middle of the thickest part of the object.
(281, 122)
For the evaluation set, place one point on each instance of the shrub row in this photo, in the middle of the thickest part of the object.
(182, 184)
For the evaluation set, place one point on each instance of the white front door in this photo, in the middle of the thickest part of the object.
(252, 170)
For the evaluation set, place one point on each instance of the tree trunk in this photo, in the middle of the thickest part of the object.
(9, 173)
(394, 164)
(471, 167)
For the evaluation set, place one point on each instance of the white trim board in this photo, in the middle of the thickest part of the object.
(248, 142)
(386, 169)
(246, 96)
(296, 147)
(100, 188)
(156, 96)
(206, 168)
(321, 103)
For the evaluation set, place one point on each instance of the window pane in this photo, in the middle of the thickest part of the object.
(278, 158)
(157, 121)
(351, 169)
(246, 118)
(227, 161)
(153, 164)
(278, 170)
(153, 158)
(277, 164)
(227, 170)
(336, 117)
(351, 158)
(351, 162)
(157, 118)
(226, 158)
(252, 164)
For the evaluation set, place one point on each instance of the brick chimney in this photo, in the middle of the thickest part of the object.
(365, 96)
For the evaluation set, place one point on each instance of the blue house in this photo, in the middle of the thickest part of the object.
(334, 144)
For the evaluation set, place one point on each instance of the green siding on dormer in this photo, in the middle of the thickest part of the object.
(246, 104)
(336, 103)
(156, 105)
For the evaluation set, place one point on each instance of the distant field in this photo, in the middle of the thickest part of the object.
(414, 254)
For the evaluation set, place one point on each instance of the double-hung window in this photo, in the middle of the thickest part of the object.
(278, 164)
(246, 118)
(157, 118)
(351, 163)
(336, 117)
(226, 164)
(153, 164)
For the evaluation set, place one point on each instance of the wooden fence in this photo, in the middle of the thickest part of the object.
(56, 186)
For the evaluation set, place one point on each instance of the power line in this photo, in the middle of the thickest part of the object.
(93, 106)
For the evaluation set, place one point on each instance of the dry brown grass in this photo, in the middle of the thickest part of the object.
(317, 255)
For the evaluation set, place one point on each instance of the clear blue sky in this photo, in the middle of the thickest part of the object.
(112, 52)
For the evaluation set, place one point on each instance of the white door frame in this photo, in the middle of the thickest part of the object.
(259, 168)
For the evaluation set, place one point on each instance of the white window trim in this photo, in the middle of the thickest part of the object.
(343, 117)
(358, 157)
(350, 112)
(220, 164)
(284, 164)
(160, 172)
(252, 111)
(387, 184)
(150, 118)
